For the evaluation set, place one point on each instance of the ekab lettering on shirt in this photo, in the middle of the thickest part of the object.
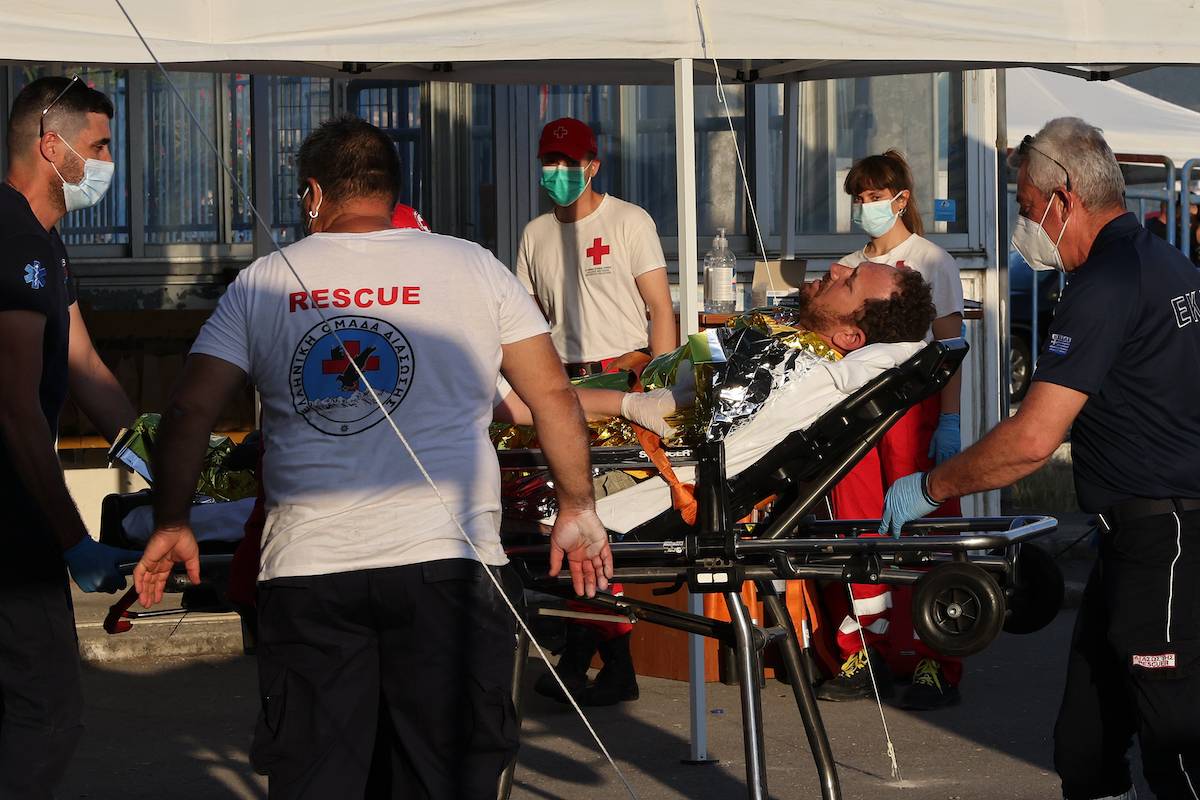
(1185, 309)
(359, 298)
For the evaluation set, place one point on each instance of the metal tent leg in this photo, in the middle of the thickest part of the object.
(520, 659)
(751, 693)
(801, 682)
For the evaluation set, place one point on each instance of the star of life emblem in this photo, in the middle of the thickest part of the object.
(35, 274)
(326, 388)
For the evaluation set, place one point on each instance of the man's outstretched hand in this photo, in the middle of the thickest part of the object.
(582, 538)
(168, 546)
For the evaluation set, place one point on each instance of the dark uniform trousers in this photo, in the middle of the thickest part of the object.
(387, 683)
(1134, 664)
(41, 701)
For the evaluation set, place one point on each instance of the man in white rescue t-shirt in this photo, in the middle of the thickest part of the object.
(385, 652)
(596, 267)
(594, 263)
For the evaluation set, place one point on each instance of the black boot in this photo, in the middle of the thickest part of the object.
(617, 681)
(572, 664)
(854, 680)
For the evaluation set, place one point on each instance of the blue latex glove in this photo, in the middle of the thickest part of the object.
(94, 566)
(947, 440)
(905, 501)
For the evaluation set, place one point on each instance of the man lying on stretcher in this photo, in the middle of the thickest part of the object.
(846, 310)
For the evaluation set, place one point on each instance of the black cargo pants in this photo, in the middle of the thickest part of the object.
(387, 683)
(1134, 665)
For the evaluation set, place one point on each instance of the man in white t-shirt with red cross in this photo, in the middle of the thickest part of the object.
(596, 267)
(594, 263)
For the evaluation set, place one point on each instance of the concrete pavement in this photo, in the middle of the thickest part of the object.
(168, 726)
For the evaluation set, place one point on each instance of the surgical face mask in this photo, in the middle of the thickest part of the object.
(1033, 243)
(97, 177)
(565, 184)
(875, 218)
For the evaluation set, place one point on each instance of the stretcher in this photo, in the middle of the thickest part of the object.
(972, 577)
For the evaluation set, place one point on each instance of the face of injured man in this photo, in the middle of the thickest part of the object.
(833, 305)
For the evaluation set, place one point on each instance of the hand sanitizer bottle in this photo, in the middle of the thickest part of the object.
(720, 282)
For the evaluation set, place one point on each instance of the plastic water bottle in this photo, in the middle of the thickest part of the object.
(720, 283)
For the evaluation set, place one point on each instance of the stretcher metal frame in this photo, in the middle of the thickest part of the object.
(717, 555)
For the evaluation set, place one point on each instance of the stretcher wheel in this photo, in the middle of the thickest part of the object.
(1034, 601)
(957, 609)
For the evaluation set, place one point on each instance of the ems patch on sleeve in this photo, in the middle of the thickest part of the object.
(1059, 344)
(35, 274)
(1159, 661)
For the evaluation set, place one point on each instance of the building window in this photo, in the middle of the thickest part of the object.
(395, 108)
(845, 120)
(297, 107)
(189, 198)
(481, 169)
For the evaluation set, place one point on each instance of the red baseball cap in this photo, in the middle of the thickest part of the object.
(568, 136)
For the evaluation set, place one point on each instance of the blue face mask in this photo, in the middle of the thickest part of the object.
(565, 184)
(97, 177)
(875, 218)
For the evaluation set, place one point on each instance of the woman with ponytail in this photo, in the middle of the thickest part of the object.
(884, 207)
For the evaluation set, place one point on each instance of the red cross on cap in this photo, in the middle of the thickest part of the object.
(568, 137)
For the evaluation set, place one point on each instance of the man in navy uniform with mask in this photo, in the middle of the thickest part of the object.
(59, 161)
(1120, 373)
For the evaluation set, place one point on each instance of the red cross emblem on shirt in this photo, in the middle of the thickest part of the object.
(339, 364)
(597, 251)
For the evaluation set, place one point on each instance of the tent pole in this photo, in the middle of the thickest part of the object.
(689, 319)
(791, 168)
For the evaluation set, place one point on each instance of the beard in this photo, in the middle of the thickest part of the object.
(813, 318)
(54, 193)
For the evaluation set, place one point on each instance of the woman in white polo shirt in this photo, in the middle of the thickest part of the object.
(884, 207)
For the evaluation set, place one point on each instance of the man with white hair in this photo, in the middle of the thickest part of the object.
(1119, 373)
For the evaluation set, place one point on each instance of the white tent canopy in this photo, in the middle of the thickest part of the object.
(540, 41)
(1133, 122)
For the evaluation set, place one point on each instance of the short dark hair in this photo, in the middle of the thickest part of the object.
(350, 158)
(903, 317)
(65, 118)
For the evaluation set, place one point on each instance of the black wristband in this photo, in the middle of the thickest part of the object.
(925, 490)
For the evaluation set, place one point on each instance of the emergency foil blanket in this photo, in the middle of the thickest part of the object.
(739, 366)
(530, 494)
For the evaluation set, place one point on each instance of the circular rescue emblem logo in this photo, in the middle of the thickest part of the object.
(326, 389)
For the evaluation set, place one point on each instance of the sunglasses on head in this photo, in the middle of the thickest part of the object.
(1027, 145)
(42, 120)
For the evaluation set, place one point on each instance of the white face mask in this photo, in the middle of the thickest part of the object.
(875, 218)
(97, 177)
(1033, 243)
